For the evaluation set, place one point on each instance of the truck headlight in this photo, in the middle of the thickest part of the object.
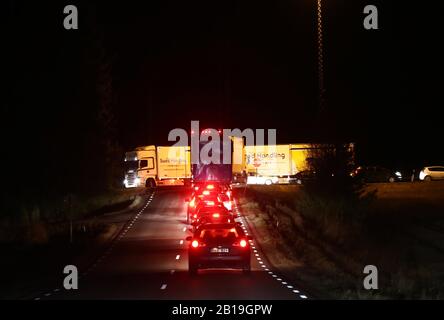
(125, 182)
(398, 174)
(137, 181)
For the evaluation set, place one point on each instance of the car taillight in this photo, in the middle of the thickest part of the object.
(195, 243)
(210, 203)
(196, 188)
(206, 193)
(243, 243)
(195, 216)
(192, 203)
(210, 187)
(216, 215)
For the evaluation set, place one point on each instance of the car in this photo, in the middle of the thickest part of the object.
(198, 202)
(432, 173)
(302, 177)
(376, 174)
(262, 180)
(215, 213)
(222, 245)
(213, 217)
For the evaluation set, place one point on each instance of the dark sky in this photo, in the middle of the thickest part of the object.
(246, 64)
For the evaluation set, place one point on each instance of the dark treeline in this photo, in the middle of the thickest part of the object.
(58, 126)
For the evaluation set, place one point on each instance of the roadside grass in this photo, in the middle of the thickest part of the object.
(334, 240)
(31, 224)
(35, 241)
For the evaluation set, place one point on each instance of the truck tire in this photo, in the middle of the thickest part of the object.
(150, 183)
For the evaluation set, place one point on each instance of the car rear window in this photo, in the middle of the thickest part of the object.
(219, 234)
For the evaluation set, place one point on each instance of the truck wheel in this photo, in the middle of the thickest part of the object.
(391, 179)
(150, 183)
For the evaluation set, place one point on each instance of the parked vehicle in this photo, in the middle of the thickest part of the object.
(302, 177)
(370, 174)
(432, 173)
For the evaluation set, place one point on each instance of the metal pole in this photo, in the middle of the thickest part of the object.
(320, 57)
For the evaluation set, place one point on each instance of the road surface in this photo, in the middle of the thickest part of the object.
(148, 260)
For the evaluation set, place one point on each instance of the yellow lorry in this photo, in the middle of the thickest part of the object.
(152, 166)
(271, 164)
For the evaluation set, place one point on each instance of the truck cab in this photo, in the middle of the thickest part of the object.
(140, 167)
(153, 166)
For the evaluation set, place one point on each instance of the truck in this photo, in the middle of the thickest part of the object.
(151, 166)
(270, 164)
(205, 171)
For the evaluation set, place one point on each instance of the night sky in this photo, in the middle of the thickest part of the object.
(245, 64)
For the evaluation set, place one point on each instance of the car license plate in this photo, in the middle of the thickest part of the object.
(220, 250)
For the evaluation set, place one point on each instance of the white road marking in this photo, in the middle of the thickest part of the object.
(172, 271)
(296, 291)
(178, 257)
(290, 287)
(163, 287)
(303, 296)
(184, 229)
(181, 242)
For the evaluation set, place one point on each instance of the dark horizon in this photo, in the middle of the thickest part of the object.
(227, 64)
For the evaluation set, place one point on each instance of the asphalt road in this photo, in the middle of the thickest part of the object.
(149, 260)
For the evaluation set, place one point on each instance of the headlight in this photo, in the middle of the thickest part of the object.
(421, 175)
(398, 174)
(137, 181)
(125, 182)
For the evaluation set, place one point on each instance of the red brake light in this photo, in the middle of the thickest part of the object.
(196, 188)
(206, 193)
(210, 187)
(210, 203)
(195, 216)
(243, 243)
(195, 243)
(216, 215)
